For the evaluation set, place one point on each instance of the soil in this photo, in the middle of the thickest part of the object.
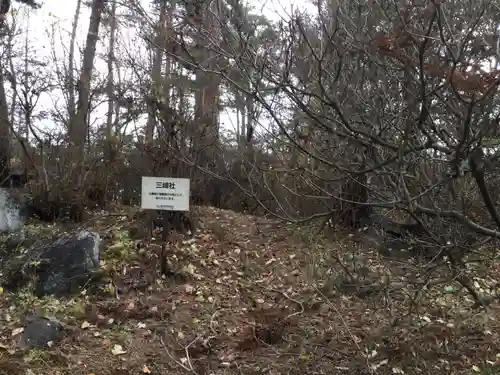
(250, 295)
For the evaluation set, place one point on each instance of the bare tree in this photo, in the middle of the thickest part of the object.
(383, 107)
(78, 130)
(156, 78)
(6, 136)
(111, 84)
(70, 73)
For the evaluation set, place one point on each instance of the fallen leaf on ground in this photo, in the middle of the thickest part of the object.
(117, 350)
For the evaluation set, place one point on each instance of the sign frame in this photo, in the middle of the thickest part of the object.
(165, 193)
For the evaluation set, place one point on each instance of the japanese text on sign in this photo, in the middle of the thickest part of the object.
(165, 185)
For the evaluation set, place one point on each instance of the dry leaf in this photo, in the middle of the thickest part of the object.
(17, 331)
(117, 350)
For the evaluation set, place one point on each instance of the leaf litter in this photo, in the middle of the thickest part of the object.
(249, 296)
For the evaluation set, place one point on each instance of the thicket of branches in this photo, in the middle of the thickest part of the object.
(359, 110)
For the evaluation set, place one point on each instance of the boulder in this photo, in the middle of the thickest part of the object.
(42, 332)
(60, 267)
(12, 212)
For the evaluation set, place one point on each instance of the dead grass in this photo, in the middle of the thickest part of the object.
(250, 296)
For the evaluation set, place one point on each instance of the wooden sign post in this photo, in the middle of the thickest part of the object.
(167, 195)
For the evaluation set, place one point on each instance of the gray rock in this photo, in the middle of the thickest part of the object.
(42, 332)
(12, 212)
(66, 263)
(60, 267)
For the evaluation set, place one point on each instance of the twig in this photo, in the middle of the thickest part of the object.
(186, 350)
(212, 320)
(293, 300)
(344, 267)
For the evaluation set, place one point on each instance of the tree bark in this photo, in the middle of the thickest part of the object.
(5, 134)
(78, 134)
(110, 87)
(70, 74)
(156, 79)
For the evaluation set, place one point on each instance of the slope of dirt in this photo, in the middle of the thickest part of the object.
(249, 296)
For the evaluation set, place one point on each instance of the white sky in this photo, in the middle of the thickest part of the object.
(58, 16)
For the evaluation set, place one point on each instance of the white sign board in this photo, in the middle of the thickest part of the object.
(165, 193)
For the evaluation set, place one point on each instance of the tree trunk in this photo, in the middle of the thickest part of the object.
(168, 63)
(207, 98)
(5, 134)
(155, 93)
(111, 84)
(70, 74)
(13, 81)
(240, 118)
(79, 132)
(207, 94)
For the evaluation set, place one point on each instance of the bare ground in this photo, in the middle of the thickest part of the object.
(251, 296)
